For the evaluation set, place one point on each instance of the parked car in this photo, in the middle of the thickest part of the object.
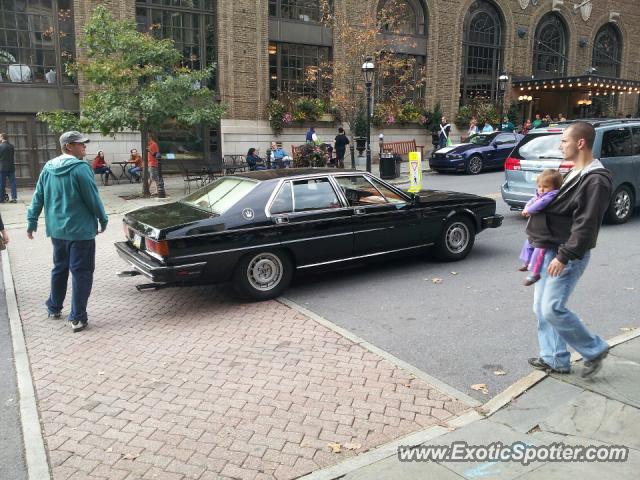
(617, 145)
(257, 228)
(483, 151)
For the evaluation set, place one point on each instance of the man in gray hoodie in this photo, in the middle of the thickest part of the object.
(568, 228)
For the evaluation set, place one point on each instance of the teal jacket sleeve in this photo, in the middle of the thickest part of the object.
(37, 203)
(90, 195)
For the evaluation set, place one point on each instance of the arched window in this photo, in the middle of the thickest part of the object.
(550, 47)
(482, 52)
(403, 17)
(607, 51)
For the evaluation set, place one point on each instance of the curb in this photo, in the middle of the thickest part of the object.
(35, 453)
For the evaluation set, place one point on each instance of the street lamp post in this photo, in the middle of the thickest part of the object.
(368, 68)
(502, 81)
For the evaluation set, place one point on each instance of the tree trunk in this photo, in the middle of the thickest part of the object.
(145, 169)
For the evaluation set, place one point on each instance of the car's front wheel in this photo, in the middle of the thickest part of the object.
(456, 239)
(263, 275)
(621, 206)
(474, 165)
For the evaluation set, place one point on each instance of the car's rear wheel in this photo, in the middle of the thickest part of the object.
(456, 239)
(621, 206)
(474, 165)
(263, 275)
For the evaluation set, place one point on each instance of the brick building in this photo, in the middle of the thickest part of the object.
(262, 48)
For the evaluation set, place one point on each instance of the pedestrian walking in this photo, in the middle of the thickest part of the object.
(311, 136)
(67, 191)
(341, 142)
(4, 236)
(548, 186)
(7, 168)
(445, 131)
(568, 229)
(153, 158)
(100, 167)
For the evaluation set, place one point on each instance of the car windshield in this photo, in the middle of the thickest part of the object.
(539, 146)
(481, 139)
(221, 195)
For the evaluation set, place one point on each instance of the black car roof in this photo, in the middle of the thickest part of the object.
(278, 173)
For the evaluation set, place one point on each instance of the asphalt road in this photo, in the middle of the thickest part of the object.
(12, 464)
(479, 319)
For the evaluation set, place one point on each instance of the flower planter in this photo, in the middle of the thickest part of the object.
(361, 144)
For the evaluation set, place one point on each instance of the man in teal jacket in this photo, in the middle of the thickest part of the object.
(68, 192)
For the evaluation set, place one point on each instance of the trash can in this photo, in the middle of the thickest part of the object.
(390, 166)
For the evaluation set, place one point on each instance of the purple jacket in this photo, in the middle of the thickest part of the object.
(540, 202)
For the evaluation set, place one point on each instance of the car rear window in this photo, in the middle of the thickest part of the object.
(539, 146)
(221, 195)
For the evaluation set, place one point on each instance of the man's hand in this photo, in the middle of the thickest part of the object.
(5, 236)
(525, 214)
(30, 234)
(556, 267)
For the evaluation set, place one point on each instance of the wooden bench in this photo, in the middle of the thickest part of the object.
(403, 147)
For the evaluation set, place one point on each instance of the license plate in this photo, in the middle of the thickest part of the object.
(531, 176)
(137, 241)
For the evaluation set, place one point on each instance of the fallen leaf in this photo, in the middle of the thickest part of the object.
(480, 387)
(499, 372)
(352, 446)
(454, 273)
(130, 456)
(628, 329)
(451, 429)
(436, 280)
(335, 447)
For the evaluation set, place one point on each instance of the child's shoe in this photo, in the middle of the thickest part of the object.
(531, 279)
(523, 268)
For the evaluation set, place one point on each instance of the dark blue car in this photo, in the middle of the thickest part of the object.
(483, 151)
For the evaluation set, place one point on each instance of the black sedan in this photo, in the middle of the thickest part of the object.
(257, 228)
(483, 151)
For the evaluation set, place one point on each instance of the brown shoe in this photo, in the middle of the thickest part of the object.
(523, 268)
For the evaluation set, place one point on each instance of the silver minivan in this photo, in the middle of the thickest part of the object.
(617, 145)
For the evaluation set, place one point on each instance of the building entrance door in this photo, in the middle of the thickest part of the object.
(33, 144)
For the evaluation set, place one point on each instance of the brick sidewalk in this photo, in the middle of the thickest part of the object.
(189, 383)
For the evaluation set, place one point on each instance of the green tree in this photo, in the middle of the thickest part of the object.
(136, 83)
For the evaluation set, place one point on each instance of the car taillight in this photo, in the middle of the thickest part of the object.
(161, 248)
(512, 164)
(125, 228)
(565, 167)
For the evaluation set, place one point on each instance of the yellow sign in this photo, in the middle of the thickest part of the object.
(415, 172)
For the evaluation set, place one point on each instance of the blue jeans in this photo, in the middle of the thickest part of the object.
(557, 325)
(12, 183)
(79, 257)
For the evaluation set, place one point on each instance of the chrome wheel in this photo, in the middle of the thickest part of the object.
(457, 237)
(622, 204)
(475, 165)
(265, 271)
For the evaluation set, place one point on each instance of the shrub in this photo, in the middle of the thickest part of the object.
(307, 109)
(279, 117)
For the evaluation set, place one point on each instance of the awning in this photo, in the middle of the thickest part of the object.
(589, 84)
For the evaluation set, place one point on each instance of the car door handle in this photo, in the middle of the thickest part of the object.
(281, 220)
(359, 211)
